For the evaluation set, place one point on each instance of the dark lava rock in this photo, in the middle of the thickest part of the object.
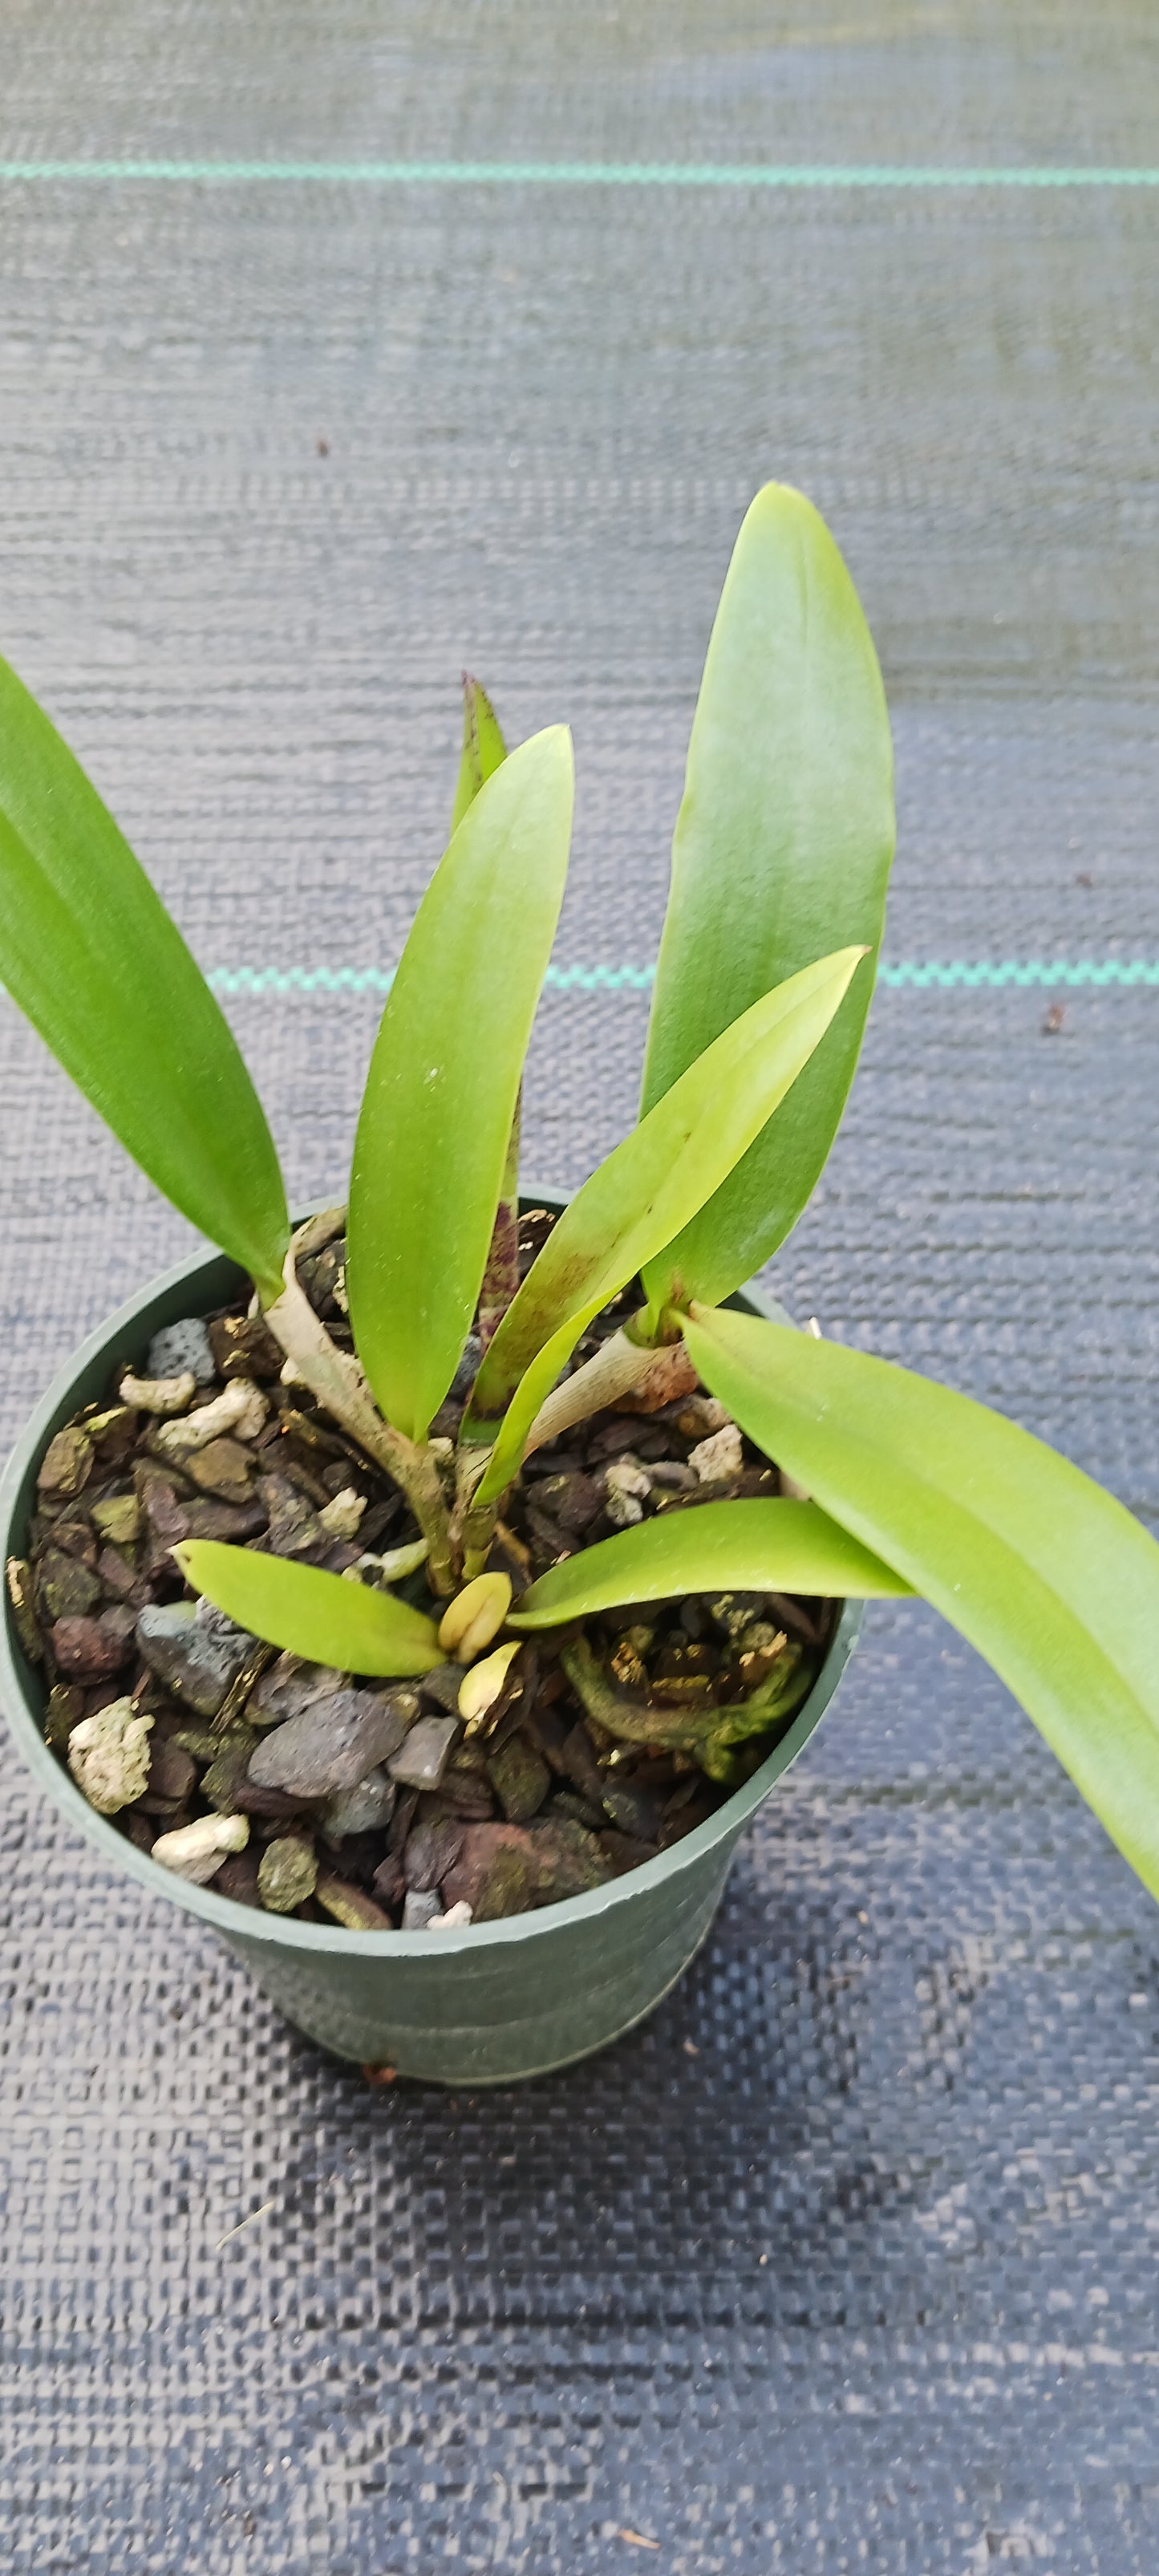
(65, 1710)
(161, 1500)
(238, 1877)
(287, 1687)
(194, 1650)
(634, 1810)
(223, 1468)
(622, 1852)
(509, 1869)
(172, 1771)
(118, 1573)
(74, 1537)
(468, 1794)
(333, 1744)
(432, 1849)
(243, 1346)
(520, 1778)
(571, 1501)
(67, 1589)
(365, 1809)
(426, 1752)
(388, 1877)
(443, 1687)
(91, 1650)
(579, 1764)
(232, 1522)
(228, 1770)
(181, 1346)
(294, 1523)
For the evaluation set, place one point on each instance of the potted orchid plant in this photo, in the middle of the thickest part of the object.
(425, 1593)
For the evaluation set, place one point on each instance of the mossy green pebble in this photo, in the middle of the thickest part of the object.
(287, 1874)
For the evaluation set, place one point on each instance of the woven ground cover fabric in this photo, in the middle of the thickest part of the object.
(846, 2261)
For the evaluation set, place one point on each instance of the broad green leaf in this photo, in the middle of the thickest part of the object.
(435, 1125)
(483, 747)
(88, 950)
(1053, 1581)
(782, 850)
(652, 1183)
(710, 1547)
(307, 1612)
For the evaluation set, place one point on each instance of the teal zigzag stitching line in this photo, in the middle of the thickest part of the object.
(580, 174)
(919, 975)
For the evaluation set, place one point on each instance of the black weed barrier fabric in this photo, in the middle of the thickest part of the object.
(845, 2262)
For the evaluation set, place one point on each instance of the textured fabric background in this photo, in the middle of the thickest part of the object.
(867, 2283)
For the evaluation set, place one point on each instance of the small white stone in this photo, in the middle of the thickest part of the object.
(340, 1518)
(159, 1394)
(627, 1486)
(195, 1852)
(108, 1756)
(455, 1919)
(719, 1456)
(627, 1476)
(241, 1408)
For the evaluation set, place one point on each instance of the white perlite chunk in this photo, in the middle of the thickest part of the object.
(626, 1487)
(196, 1851)
(240, 1408)
(159, 1394)
(108, 1756)
(340, 1518)
(455, 1919)
(718, 1456)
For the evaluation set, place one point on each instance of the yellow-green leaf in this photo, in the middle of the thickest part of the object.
(782, 850)
(435, 1126)
(89, 952)
(776, 1546)
(311, 1613)
(483, 747)
(1050, 1578)
(652, 1183)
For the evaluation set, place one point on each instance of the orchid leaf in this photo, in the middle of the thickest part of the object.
(709, 1547)
(652, 1183)
(89, 952)
(483, 747)
(310, 1613)
(782, 850)
(1051, 1579)
(435, 1126)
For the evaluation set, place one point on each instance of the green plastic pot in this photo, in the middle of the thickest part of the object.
(490, 2005)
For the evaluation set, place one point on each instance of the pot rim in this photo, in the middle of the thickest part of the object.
(19, 1680)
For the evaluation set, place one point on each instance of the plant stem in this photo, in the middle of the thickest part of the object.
(621, 1366)
(340, 1387)
(501, 1276)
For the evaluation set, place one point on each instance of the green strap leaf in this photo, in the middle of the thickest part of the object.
(483, 747)
(307, 1612)
(782, 849)
(650, 1186)
(710, 1547)
(1050, 1578)
(435, 1125)
(89, 952)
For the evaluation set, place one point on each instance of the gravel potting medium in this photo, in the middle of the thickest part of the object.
(844, 2262)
